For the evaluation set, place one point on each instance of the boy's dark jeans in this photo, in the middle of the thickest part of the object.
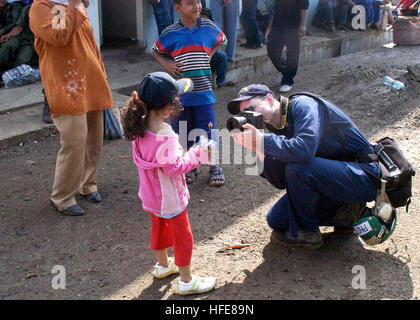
(219, 64)
(277, 40)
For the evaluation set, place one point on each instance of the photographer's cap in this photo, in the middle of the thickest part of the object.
(159, 88)
(249, 92)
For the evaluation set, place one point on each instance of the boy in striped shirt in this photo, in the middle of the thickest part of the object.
(191, 44)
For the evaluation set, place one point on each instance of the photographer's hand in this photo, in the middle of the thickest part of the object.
(251, 139)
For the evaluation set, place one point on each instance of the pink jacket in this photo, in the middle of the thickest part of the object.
(161, 163)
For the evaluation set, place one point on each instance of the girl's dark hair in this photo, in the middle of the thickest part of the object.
(134, 115)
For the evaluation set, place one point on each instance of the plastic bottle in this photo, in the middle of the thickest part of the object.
(397, 85)
(204, 142)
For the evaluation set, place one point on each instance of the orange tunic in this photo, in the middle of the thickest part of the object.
(71, 66)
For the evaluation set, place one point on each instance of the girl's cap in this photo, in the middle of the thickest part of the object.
(157, 89)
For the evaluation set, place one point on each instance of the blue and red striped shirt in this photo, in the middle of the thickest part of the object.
(192, 48)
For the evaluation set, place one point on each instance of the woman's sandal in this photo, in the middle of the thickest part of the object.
(190, 176)
(216, 174)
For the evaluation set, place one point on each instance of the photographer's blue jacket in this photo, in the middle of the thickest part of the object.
(305, 158)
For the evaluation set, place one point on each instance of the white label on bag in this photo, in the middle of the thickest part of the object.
(363, 228)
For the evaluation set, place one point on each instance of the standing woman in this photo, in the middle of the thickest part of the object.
(76, 87)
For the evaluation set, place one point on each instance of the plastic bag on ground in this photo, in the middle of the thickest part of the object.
(20, 76)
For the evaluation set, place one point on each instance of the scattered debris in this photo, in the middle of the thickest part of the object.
(236, 245)
(126, 156)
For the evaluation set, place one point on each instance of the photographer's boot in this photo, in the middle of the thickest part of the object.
(305, 239)
(46, 114)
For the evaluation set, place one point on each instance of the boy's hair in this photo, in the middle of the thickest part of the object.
(134, 115)
(178, 2)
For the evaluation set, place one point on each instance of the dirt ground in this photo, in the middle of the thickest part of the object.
(106, 252)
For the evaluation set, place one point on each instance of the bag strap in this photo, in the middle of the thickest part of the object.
(328, 126)
(393, 170)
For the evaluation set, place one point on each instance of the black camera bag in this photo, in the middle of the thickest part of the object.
(396, 170)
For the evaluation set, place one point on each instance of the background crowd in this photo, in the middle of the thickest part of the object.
(256, 18)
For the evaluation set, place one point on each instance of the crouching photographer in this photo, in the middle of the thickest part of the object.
(315, 152)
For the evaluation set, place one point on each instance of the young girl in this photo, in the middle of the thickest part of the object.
(162, 164)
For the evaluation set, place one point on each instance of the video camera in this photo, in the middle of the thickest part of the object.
(251, 117)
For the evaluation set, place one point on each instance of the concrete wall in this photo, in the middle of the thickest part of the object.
(119, 18)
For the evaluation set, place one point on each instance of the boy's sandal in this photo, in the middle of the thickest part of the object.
(197, 285)
(216, 173)
(190, 176)
(161, 272)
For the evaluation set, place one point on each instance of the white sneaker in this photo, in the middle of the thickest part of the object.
(279, 78)
(162, 272)
(196, 285)
(285, 88)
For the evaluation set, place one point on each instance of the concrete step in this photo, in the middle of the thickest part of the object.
(23, 125)
(253, 64)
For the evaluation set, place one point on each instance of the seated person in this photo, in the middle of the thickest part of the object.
(17, 46)
(219, 60)
(381, 6)
(332, 14)
(9, 15)
(406, 8)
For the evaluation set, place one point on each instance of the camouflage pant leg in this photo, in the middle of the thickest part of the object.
(23, 56)
(7, 52)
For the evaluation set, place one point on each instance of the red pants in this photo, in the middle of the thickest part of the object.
(174, 232)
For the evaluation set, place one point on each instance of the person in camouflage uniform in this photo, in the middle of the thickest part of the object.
(17, 46)
(9, 14)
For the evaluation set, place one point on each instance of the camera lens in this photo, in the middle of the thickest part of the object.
(235, 123)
